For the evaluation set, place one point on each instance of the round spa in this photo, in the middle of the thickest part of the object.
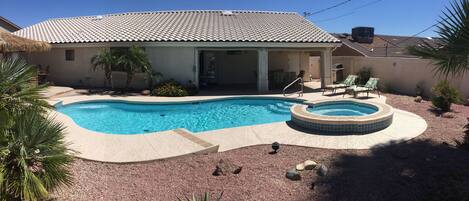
(344, 116)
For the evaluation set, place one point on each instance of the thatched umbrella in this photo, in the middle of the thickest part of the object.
(12, 43)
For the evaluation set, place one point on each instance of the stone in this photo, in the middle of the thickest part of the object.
(322, 170)
(466, 103)
(309, 164)
(293, 175)
(145, 92)
(300, 167)
(447, 115)
(226, 167)
(418, 99)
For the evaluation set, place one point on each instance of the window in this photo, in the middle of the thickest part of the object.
(69, 55)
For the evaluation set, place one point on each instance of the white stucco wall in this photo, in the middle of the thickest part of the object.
(401, 74)
(172, 62)
(69, 73)
(314, 67)
(289, 61)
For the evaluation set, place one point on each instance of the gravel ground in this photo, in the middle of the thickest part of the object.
(426, 168)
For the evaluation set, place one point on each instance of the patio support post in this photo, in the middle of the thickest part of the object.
(326, 67)
(262, 70)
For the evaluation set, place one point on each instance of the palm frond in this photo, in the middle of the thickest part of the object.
(37, 157)
(450, 53)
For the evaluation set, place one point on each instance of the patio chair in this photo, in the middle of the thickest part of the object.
(370, 86)
(348, 82)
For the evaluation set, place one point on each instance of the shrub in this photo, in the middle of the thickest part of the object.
(444, 95)
(419, 90)
(364, 75)
(170, 88)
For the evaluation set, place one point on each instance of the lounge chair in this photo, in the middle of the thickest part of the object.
(370, 86)
(348, 82)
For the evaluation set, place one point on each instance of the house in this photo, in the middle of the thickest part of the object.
(389, 60)
(7, 25)
(240, 48)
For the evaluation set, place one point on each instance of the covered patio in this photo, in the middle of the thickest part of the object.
(262, 69)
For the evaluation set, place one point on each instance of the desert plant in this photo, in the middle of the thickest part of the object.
(104, 60)
(33, 157)
(419, 90)
(444, 95)
(465, 142)
(205, 197)
(131, 61)
(450, 51)
(364, 75)
(170, 88)
(17, 90)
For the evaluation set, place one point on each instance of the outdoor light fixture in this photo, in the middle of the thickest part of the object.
(275, 147)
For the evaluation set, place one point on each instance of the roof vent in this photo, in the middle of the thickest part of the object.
(99, 17)
(227, 13)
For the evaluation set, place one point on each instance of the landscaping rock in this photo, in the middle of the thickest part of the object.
(300, 167)
(322, 170)
(447, 115)
(293, 175)
(418, 99)
(226, 167)
(146, 92)
(309, 164)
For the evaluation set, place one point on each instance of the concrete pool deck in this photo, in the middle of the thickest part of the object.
(97, 146)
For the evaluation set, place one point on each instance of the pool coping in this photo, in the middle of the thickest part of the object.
(97, 146)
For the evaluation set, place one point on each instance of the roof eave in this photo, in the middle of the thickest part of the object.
(204, 44)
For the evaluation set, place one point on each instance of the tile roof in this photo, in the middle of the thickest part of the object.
(181, 26)
(396, 45)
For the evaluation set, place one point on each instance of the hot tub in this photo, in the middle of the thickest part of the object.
(342, 116)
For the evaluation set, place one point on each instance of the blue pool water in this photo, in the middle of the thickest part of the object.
(343, 108)
(131, 118)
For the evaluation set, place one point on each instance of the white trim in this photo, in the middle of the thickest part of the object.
(201, 44)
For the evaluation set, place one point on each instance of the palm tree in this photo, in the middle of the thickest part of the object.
(450, 52)
(17, 91)
(34, 158)
(132, 61)
(104, 60)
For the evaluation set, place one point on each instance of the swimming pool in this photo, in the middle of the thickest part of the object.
(342, 108)
(135, 118)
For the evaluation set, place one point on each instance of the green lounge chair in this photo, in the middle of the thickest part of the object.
(370, 86)
(348, 82)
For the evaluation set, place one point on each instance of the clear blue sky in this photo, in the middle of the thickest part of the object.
(397, 17)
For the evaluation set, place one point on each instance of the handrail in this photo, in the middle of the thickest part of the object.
(300, 93)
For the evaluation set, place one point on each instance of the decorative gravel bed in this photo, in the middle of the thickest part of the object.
(426, 168)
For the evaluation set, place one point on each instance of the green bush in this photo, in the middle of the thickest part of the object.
(444, 95)
(364, 75)
(170, 88)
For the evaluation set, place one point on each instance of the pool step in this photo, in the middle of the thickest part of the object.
(284, 105)
(277, 109)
